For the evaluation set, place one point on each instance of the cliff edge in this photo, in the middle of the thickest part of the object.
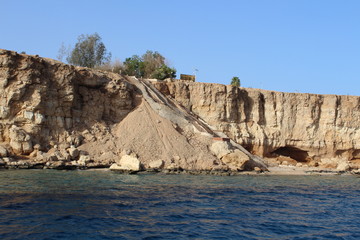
(54, 115)
(284, 128)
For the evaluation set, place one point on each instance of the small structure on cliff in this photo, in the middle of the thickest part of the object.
(186, 77)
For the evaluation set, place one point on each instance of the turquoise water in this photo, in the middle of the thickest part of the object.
(49, 204)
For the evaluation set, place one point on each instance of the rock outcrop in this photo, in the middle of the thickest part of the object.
(53, 105)
(319, 130)
(127, 163)
(54, 115)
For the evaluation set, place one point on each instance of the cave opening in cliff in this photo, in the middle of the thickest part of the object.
(292, 152)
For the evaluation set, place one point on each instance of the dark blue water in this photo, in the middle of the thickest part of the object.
(45, 204)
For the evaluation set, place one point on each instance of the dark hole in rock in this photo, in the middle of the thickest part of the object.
(340, 152)
(293, 152)
(248, 147)
(356, 154)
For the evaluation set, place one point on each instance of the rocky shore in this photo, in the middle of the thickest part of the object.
(58, 116)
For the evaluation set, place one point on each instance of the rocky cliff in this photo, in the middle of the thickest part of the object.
(54, 115)
(318, 130)
(45, 104)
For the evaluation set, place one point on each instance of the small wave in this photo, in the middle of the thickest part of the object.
(178, 207)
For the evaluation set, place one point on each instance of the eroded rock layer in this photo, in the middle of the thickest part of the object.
(307, 128)
(42, 100)
(54, 115)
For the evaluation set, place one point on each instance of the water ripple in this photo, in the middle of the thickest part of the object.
(40, 204)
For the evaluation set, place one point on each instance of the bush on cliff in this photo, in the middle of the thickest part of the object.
(235, 81)
(149, 65)
(134, 66)
(164, 72)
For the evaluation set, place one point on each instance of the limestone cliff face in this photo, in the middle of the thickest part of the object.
(54, 115)
(316, 129)
(61, 115)
(45, 102)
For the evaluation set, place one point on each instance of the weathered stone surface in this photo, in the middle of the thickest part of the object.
(73, 152)
(107, 158)
(55, 164)
(44, 99)
(20, 141)
(343, 166)
(220, 148)
(3, 151)
(47, 103)
(114, 166)
(157, 164)
(305, 127)
(84, 160)
(128, 162)
(237, 160)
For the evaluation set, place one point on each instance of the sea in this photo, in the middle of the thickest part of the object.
(53, 204)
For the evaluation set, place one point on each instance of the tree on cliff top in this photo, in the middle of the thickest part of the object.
(134, 66)
(149, 65)
(89, 51)
(235, 81)
(152, 61)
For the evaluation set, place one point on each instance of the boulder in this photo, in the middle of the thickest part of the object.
(343, 166)
(56, 165)
(73, 152)
(20, 141)
(84, 159)
(66, 155)
(33, 154)
(114, 166)
(236, 160)
(37, 147)
(220, 148)
(127, 163)
(40, 157)
(172, 166)
(60, 156)
(3, 151)
(157, 164)
(7, 160)
(4, 112)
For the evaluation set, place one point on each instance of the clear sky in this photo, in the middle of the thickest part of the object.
(283, 45)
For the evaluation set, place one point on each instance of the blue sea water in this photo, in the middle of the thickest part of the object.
(49, 204)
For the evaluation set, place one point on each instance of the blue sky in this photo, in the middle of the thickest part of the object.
(283, 45)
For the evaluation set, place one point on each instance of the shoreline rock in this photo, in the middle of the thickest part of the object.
(12, 164)
(58, 116)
